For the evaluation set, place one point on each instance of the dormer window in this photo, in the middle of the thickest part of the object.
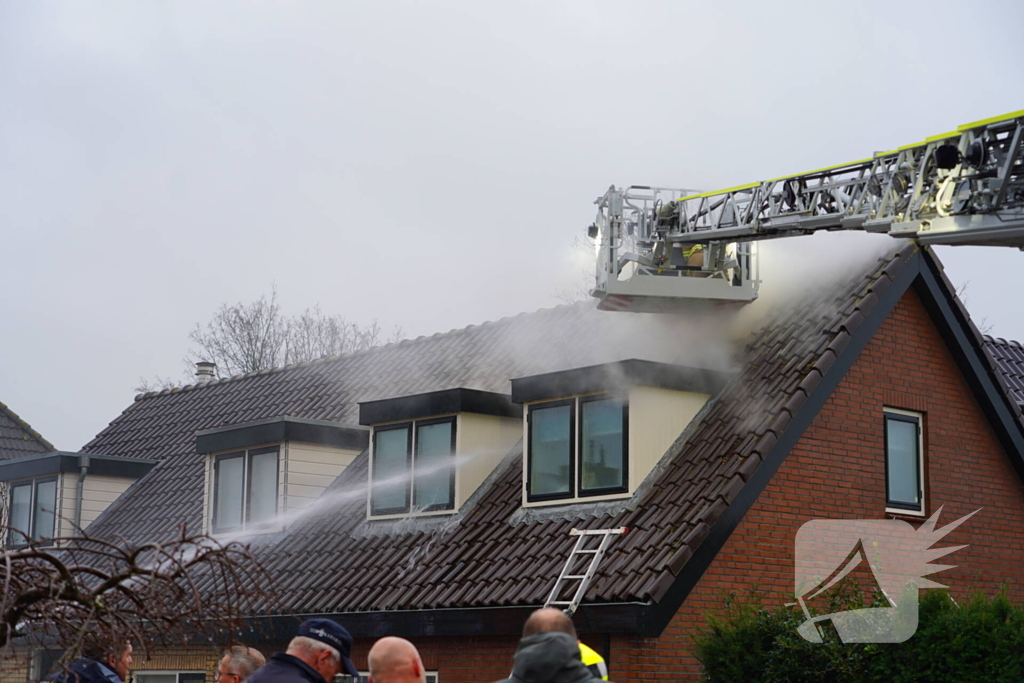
(577, 447)
(244, 489)
(417, 440)
(413, 467)
(595, 433)
(258, 471)
(56, 495)
(33, 511)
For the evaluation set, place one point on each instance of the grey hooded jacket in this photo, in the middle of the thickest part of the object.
(549, 658)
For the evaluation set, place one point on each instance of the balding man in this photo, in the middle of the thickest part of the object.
(549, 651)
(239, 662)
(395, 660)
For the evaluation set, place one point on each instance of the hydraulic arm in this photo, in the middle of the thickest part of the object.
(964, 187)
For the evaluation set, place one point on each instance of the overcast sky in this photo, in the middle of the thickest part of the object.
(425, 164)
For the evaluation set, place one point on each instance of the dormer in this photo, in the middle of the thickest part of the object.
(56, 494)
(430, 452)
(259, 472)
(595, 433)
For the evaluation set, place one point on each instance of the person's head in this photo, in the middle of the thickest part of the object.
(116, 654)
(325, 646)
(549, 619)
(237, 663)
(395, 660)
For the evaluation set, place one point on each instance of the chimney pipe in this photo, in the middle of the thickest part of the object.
(205, 371)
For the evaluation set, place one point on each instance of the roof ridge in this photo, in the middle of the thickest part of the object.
(26, 426)
(373, 349)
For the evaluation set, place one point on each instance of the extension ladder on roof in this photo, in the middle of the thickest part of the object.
(566, 578)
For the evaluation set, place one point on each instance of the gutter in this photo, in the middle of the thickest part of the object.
(83, 464)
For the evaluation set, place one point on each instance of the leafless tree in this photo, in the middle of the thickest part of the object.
(249, 337)
(89, 589)
(583, 255)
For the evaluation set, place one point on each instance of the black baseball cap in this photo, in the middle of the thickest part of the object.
(334, 634)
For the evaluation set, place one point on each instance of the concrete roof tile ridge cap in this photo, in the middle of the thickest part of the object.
(375, 349)
(26, 426)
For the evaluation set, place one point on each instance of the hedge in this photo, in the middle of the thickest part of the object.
(980, 641)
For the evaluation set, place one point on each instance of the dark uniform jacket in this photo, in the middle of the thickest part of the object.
(282, 668)
(549, 658)
(84, 670)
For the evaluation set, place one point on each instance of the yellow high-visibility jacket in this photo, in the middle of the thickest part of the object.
(594, 662)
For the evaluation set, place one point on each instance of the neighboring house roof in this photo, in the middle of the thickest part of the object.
(17, 438)
(1009, 358)
(492, 554)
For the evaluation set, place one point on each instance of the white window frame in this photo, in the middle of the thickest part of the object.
(246, 454)
(576, 492)
(33, 483)
(919, 417)
(409, 507)
(136, 673)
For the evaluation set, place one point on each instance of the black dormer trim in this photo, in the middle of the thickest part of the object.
(58, 462)
(434, 403)
(280, 429)
(621, 374)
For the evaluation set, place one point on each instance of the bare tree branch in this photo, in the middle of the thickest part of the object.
(193, 586)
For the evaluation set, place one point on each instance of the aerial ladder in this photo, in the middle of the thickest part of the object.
(667, 250)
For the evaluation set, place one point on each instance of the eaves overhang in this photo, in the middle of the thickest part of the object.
(444, 402)
(281, 429)
(60, 462)
(618, 375)
(624, 617)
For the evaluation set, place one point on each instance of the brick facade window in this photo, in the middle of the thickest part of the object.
(577, 447)
(904, 462)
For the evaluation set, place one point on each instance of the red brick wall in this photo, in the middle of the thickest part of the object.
(837, 471)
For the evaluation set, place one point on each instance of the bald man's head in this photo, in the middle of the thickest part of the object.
(395, 660)
(546, 620)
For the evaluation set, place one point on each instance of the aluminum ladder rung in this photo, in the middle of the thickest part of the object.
(585, 578)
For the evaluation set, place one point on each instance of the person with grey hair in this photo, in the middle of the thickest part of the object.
(238, 662)
(318, 652)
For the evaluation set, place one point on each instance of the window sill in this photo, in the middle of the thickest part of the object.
(902, 512)
(410, 515)
(576, 500)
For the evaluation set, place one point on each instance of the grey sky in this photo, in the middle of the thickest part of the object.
(425, 164)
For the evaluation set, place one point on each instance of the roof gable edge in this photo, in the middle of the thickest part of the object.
(662, 611)
(958, 332)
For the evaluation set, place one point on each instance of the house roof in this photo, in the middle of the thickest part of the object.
(17, 438)
(492, 554)
(1009, 359)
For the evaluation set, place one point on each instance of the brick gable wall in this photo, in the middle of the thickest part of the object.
(837, 470)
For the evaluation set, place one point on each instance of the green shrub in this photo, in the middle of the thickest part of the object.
(981, 641)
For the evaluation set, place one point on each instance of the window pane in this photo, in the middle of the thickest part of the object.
(434, 469)
(230, 478)
(391, 470)
(46, 509)
(550, 450)
(603, 460)
(21, 511)
(143, 677)
(262, 487)
(901, 452)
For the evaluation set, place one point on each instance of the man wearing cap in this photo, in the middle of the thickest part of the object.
(318, 652)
